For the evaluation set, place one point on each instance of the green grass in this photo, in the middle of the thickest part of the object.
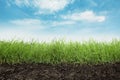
(59, 52)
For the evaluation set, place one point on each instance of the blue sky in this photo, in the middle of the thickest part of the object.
(45, 20)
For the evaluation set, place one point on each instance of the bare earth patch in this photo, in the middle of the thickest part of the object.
(60, 71)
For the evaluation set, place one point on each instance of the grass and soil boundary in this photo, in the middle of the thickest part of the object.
(58, 60)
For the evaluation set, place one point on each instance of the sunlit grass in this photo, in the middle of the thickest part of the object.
(59, 52)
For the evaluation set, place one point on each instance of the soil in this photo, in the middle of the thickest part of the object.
(63, 71)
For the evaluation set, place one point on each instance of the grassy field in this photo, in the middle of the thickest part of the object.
(59, 52)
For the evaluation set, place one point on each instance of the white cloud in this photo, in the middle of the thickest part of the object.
(35, 23)
(39, 24)
(93, 3)
(26, 35)
(28, 23)
(88, 16)
(21, 3)
(13, 34)
(51, 5)
(58, 23)
(44, 6)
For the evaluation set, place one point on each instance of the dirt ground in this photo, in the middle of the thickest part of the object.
(60, 72)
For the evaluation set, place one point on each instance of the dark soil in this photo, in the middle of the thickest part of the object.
(60, 72)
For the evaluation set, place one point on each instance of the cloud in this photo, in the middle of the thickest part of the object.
(93, 3)
(28, 35)
(44, 6)
(28, 23)
(13, 34)
(88, 16)
(21, 3)
(63, 23)
(52, 5)
(39, 24)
